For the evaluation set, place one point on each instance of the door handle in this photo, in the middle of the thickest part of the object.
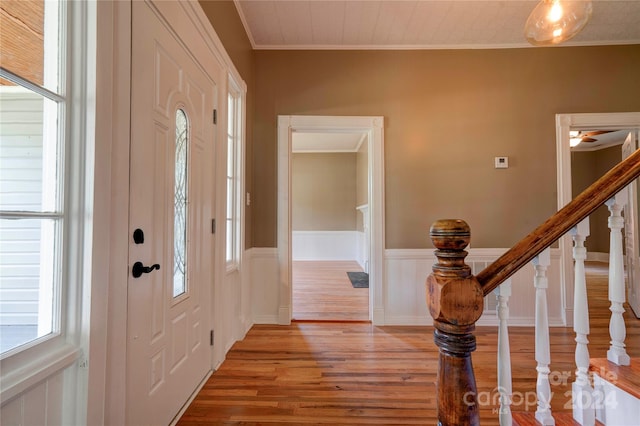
(139, 269)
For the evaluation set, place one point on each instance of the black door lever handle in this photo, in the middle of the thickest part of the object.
(139, 269)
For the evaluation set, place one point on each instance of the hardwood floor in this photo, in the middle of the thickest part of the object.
(357, 373)
(322, 292)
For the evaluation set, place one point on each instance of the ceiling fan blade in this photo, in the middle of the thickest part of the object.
(586, 139)
(595, 132)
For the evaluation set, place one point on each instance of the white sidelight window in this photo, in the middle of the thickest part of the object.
(234, 176)
(33, 108)
(48, 96)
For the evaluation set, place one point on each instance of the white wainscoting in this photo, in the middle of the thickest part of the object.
(226, 332)
(324, 245)
(264, 284)
(405, 294)
(40, 405)
(245, 314)
(361, 251)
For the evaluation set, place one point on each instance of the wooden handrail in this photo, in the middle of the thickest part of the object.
(560, 223)
(454, 295)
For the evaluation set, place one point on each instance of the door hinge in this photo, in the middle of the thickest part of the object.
(211, 338)
(215, 116)
(213, 226)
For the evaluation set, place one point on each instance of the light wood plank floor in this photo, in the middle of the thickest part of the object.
(322, 292)
(357, 373)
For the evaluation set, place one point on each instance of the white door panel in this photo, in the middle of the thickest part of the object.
(168, 351)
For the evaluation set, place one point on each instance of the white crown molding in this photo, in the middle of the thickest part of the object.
(243, 19)
(427, 46)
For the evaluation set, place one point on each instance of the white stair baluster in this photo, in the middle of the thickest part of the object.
(543, 358)
(617, 353)
(503, 292)
(582, 392)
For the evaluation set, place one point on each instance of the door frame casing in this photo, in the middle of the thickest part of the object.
(565, 123)
(373, 127)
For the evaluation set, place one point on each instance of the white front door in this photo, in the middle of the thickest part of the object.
(171, 206)
(632, 250)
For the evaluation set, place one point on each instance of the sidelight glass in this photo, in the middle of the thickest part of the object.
(180, 205)
(33, 176)
(233, 181)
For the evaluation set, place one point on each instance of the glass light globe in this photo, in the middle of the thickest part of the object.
(556, 21)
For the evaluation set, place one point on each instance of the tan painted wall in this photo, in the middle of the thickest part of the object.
(586, 168)
(448, 113)
(228, 26)
(323, 192)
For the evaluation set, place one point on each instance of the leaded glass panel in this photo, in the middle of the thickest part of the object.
(180, 205)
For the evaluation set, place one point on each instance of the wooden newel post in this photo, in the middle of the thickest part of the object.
(455, 302)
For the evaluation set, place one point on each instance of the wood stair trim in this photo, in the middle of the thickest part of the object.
(528, 418)
(625, 377)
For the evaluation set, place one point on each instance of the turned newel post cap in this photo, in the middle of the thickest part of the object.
(454, 296)
(450, 234)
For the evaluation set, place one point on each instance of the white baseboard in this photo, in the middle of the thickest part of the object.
(265, 319)
(265, 282)
(284, 315)
(378, 317)
(243, 328)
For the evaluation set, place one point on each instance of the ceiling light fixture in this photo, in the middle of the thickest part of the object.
(556, 21)
(574, 138)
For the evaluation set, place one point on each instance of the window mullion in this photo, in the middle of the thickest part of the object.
(8, 75)
(30, 215)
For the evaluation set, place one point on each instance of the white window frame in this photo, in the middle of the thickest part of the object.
(234, 147)
(34, 362)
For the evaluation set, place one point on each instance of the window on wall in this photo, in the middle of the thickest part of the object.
(32, 171)
(234, 197)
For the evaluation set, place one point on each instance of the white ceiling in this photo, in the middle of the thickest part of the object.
(418, 24)
(326, 142)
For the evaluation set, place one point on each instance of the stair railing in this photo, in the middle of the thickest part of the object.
(455, 297)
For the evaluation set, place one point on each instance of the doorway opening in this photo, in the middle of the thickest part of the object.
(612, 126)
(329, 230)
(351, 236)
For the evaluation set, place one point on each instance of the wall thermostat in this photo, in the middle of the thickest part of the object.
(502, 162)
